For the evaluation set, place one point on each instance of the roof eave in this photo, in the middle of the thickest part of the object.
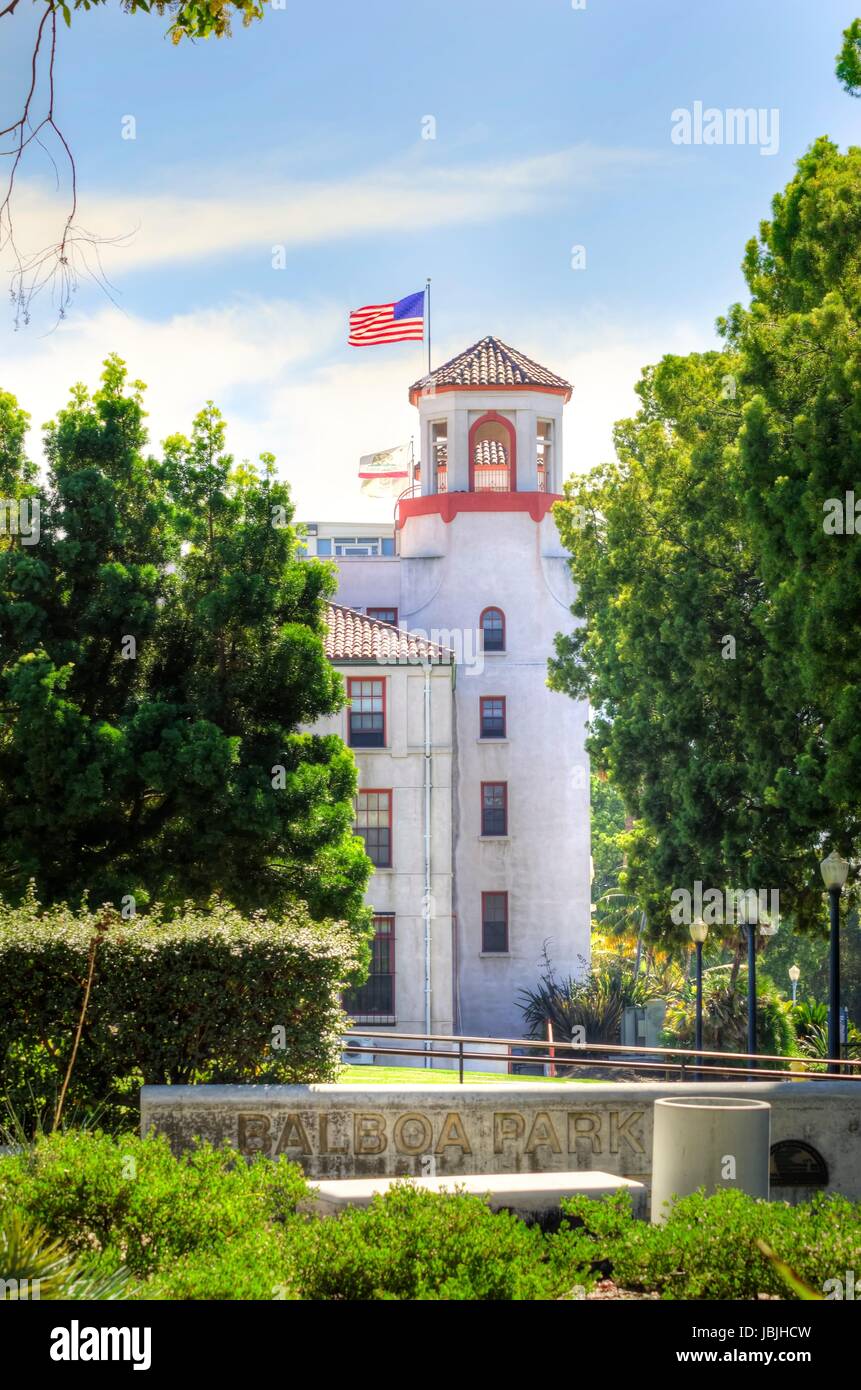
(418, 390)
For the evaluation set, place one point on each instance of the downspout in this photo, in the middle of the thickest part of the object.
(427, 892)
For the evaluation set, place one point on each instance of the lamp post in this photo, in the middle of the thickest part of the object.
(834, 871)
(794, 977)
(748, 913)
(699, 931)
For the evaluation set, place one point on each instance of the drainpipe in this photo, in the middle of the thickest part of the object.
(427, 892)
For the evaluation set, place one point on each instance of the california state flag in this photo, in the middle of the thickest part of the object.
(387, 473)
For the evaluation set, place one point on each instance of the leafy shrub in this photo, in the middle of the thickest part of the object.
(43, 1268)
(814, 1043)
(411, 1244)
(596, 1002)
(192, 999)
(707, 1249)
(251, 1266)
(210, 1226)
(808, 1016)
(131, 1202)
(725, 1017)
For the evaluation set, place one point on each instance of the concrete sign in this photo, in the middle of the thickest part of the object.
(516, 1127)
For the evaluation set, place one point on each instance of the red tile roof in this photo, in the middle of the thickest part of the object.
(490, 453)
(351, 636)
(490, 363)
(487, 452)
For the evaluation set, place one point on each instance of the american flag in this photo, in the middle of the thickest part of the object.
(401, 322)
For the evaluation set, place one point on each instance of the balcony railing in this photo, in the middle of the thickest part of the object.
(486, 478)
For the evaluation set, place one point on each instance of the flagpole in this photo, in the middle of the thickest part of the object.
(428, 313)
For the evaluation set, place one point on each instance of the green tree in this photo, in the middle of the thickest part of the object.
(798, 468)
(193, 19)
(161, 649)
(669, 657)
(849, 59)
(720, 651)
(608, 827)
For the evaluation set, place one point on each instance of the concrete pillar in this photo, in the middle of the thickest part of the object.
(710, 1142)
(527, 451)
(458, 451)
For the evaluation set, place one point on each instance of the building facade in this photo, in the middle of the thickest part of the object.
(480, 769)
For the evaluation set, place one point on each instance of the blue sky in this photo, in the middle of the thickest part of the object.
(552, 130)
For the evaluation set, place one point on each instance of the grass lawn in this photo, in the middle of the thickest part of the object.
(433, 1076)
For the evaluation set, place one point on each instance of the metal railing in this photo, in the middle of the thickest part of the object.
(491, 478)
(700, 1066)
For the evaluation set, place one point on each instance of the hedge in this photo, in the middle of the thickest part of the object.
(208, 1225)
(707, 1249)
(209, 995)
(127, 1203)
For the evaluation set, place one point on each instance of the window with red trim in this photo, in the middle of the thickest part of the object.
(374, 824)
(494, 808)
(367, 716)
(384, 615)
(493, 723)
(494, 923)
(493, 629)
(375, 999)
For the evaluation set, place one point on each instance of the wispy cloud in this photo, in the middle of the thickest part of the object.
(286, 383)
(176, 226)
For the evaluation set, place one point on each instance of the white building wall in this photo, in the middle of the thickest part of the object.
(446, 574)
(505, 559)
(373, 583)
(400, 890)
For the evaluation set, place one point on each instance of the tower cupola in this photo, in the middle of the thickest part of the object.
(491, 422)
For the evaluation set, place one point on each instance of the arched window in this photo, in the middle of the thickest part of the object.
(492, 454)
(493, 629)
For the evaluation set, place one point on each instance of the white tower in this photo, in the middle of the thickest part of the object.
(479, 550)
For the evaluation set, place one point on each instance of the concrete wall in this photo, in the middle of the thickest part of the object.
(352, 1131)
(369, 583)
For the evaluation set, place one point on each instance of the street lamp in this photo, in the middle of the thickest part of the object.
(748, 915)
(699, 931)
(834, 871)
(794, 976)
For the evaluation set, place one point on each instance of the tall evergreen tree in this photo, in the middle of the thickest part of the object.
(718, 563)
(160, 649)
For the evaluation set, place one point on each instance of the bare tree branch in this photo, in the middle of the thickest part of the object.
(60, 265)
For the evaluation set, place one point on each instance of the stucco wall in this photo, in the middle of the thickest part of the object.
(400, 890)
(449, 574)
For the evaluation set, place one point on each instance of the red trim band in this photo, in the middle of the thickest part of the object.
(448, 504)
